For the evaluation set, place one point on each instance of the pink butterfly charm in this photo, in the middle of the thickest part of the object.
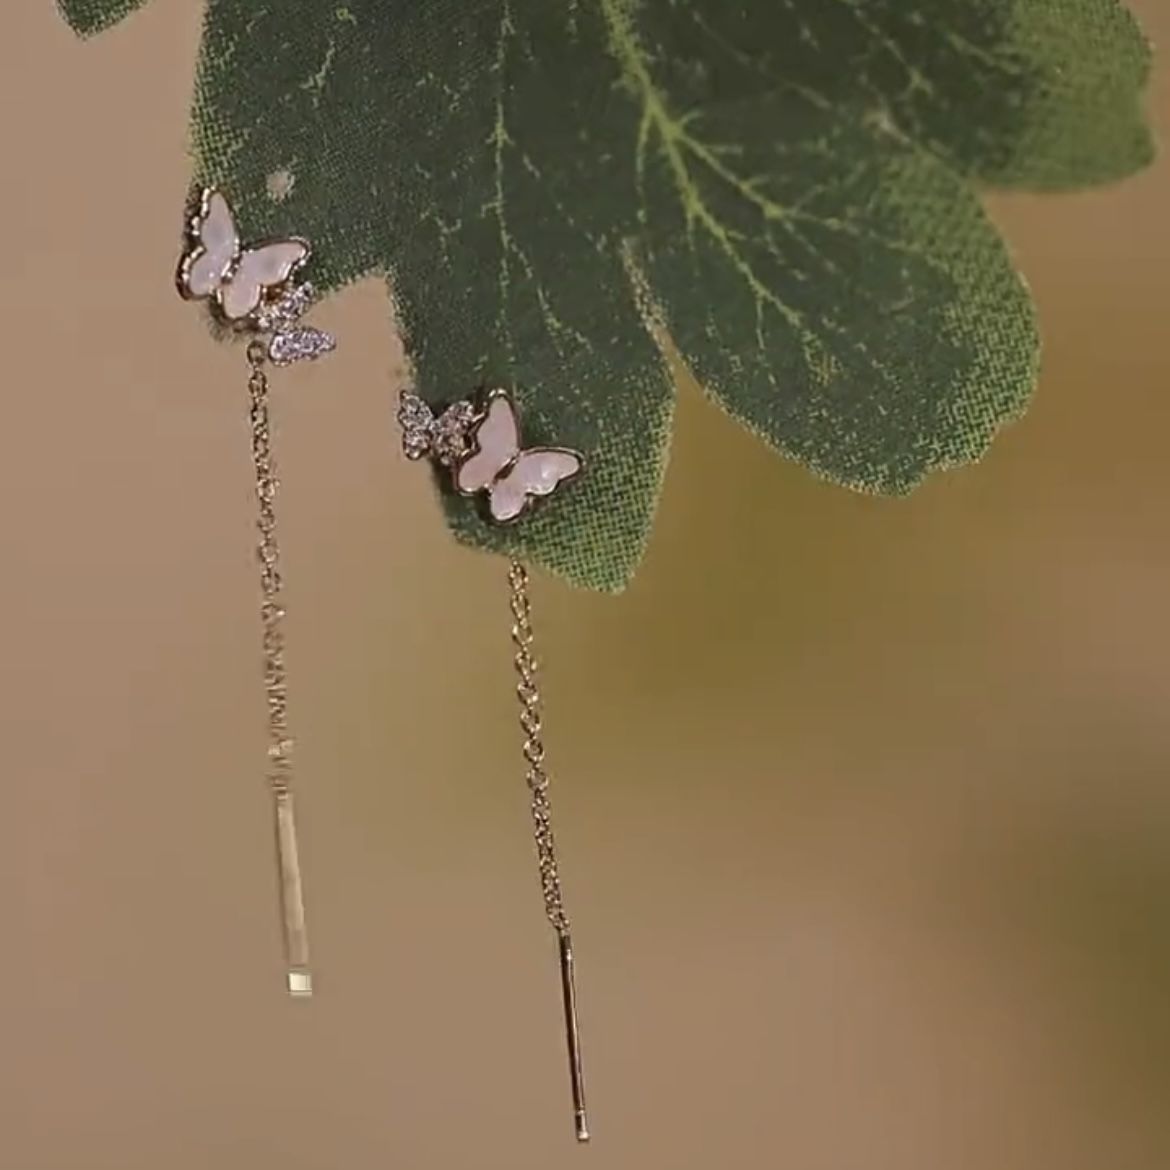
(251, 287)
(511, 476)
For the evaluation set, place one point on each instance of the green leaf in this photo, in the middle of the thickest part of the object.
(785, 189)
(92, 16)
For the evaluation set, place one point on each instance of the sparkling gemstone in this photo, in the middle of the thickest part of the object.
(451, 432)
(414, 413)
(299, 344)
(416, 444)
(445, 438)
(286, 310)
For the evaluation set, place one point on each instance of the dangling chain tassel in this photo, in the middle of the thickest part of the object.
(280, 743)
(528, 690)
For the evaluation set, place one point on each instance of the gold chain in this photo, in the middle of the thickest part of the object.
(280, 742)
(528, 690)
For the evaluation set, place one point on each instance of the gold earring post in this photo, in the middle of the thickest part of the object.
(573, 1036)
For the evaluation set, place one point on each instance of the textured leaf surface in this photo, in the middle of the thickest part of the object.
(91, 16)
(787, 187)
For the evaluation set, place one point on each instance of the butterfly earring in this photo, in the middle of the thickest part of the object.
(477, 442)
(253, 291)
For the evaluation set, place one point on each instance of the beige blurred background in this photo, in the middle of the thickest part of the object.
(864, 805)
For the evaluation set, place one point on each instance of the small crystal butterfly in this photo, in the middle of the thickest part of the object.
(444, 437)
(250, 286)
(511, 476)
(291, 341)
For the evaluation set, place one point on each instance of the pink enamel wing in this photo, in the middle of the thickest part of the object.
(511, 476)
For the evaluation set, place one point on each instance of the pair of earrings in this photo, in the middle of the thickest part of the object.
(256, 291)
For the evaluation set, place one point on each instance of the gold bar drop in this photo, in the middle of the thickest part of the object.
(292, 900)
(573, 1036)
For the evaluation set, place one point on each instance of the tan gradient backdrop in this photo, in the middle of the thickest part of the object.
(864, 805)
